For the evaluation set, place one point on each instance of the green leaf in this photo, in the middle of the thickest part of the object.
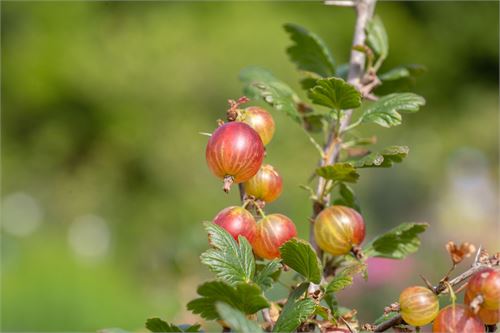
(385, 317)
(301, 257)
(344, 278)
(158, 325)
(335, 93)
(347, 197)
(265, 277)
(309, 52)
(403, 72)
(338, 283)
(342, 172)
(385, 159)
(376, 37)
(385, 111)
(231, 261)
(295, 311)
(244, 297)
(237, 320)
(398, 242)
(260, 83)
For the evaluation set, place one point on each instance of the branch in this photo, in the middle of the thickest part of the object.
(440, 288)
(364, 12)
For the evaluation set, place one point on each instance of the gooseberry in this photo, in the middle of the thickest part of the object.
(265, 185)
(237, 221)
(488, 317)
(272, 231)
(485, 283)
(338, 228)
(418, 305)
(234, 153)
(260, 120)
(457, 319)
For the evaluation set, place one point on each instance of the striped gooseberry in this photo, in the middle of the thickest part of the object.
(338, 228)
(265, 185)
(260, 120)
(237, 221)
(234, 153)
(418, 305)
(485, 283)
(457, 318)
(272, 231)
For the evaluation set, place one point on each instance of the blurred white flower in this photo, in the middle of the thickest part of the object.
(21, 214)
(89, 237)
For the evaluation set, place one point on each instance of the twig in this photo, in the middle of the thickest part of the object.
(331, 150)
(440, 288)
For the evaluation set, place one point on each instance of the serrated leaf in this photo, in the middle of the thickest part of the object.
(309, 52)
(385, 111)
(158, 325)
(322, 311)
(335, 93)
(245, 297)
(376, 37)
(230, 261)
(385, 159)
(347, 197)
(260, 83)
(295, 311)
(236, 319)
(301, 257)
(342, 172)
(398, 242)
(402, 72)
(338, 283)
(265, 277)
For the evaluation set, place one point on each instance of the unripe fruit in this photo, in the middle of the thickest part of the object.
(418, 305)
(237, 221)
(338, 228)
(457, 319)
(488, 317)
(272, 232)
(234, 153)
(260, 120)
(485, 283)
(265, 185)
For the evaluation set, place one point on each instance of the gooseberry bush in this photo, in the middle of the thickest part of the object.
(248, 250)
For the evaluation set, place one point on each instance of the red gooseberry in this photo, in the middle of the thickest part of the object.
(237, 221)
(457, 319)
(265, 185)
(272, 231)
(234, 153)
(260, 120)
(486, 284)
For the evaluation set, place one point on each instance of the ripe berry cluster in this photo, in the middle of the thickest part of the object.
(419, 306)
(235, 153)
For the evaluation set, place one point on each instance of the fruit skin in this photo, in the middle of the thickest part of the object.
(234, 150)
(272, 232)
(457, 319)
(487, 284)
(338, 228)
(260, 120)
(237, 221)
(418, 305)
(266, 185)
(488, 317)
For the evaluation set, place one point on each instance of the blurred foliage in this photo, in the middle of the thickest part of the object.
(104, 179)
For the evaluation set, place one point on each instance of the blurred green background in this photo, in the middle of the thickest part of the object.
(104, 177)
